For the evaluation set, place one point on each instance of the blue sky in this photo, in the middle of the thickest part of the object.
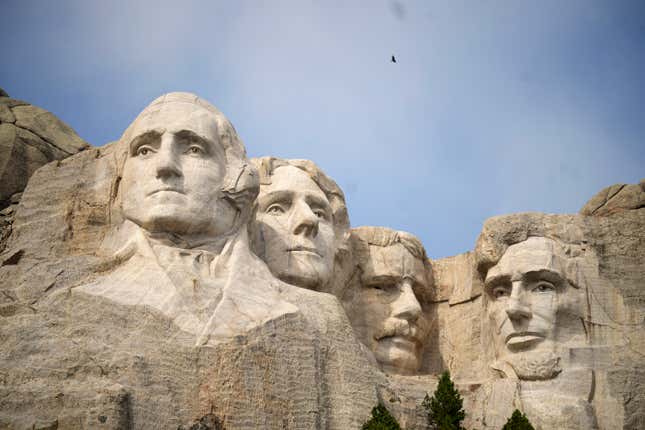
(493, 107)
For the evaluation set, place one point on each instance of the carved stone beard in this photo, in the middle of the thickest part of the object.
(530, 365)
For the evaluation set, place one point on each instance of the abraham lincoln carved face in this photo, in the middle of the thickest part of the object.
(529, 306)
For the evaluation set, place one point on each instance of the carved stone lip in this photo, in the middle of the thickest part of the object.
(523, 338)
(304, 249)
(173, 189)
(402, 341)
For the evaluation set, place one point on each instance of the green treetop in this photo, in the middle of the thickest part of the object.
(381, 420)
(445, 408)
(518, 421)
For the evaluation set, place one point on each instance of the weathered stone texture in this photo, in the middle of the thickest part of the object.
(455, 335)
(616, 198)
(29, 138)
(274, 377)
(49, 128)
(78, 349)
(609, 261)
(79, 360)
(57, 227)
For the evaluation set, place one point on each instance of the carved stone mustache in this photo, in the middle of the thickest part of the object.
(399, 327)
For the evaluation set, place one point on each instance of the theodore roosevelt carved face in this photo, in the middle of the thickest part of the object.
(174, 170)
(385, 309)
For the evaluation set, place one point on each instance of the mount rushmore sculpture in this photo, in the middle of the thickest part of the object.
(165, 280)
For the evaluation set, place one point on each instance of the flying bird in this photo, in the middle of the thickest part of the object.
(393, 59)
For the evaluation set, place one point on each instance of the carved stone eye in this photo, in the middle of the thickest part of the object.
(376, 286)
(544, 287)
(320, 213)
(500, 292)
(143, 151)
(275, 210)
(385, 289)
(196, 150)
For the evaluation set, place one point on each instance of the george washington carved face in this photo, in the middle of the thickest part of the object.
(174, 171)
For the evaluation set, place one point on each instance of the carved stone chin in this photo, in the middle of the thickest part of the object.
(533, 366)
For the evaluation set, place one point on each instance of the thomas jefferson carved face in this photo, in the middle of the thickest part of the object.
(385, 311)
(525, 290)
(173, 173)
(294, 225)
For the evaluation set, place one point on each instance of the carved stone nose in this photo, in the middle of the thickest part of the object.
(406, 306)
(516, 310)
(304, 220)
(167, 170)
(167, 164)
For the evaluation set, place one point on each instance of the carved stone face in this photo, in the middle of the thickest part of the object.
(294, 229)
(385, 311)
(524, 292)
(173, 173)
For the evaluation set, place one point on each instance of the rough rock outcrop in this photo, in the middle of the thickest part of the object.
(593, 378)
(598, 319)
(616, 198)
(29, 138)
(75, 356)
(118, 312)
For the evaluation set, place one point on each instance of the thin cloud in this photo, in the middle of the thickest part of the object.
(494, 107)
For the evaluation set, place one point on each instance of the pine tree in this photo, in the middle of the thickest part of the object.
(518, 421)
(381, 420)
(445, 408)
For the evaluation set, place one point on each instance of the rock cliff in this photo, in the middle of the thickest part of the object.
(115, 318)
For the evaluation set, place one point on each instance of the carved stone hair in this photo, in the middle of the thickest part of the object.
(267, 165)
(363, 237)
(383, 236)
(240, 185)
(501, 232)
